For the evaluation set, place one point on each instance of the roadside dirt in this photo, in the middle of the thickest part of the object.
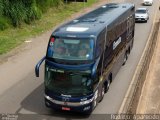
(149, 100)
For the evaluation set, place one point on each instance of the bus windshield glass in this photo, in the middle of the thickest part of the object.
(67, 82)
(70, 49)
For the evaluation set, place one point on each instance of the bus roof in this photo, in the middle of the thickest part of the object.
(92, 23)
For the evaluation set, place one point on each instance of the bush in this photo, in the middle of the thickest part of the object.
(20, 11)
(1, 8)
(31, 10)
(45, 4)
(32, 13)
(17, 13)
(3, 23)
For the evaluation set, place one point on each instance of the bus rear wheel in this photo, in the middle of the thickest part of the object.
(107, 86)
(125, 58)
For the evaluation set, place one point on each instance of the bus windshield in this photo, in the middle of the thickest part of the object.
(70, 49)
(67, 82)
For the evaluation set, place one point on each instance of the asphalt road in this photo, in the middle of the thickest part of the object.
(22, 93)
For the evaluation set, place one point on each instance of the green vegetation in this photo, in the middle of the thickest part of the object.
(18, 23)
(19, 11)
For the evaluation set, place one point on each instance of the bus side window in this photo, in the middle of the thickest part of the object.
(124, 24)
(108, 55)
(100, 44)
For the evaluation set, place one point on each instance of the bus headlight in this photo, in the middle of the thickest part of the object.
(47, 97)
(86, 101)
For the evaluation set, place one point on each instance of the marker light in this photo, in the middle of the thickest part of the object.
(52, 39)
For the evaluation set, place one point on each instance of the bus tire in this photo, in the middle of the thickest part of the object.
(129, 50)
(107, 86)
(47, 104)
(102, 93)
(125, 58)
(87, 113)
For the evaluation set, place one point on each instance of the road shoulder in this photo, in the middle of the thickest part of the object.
(149, 100)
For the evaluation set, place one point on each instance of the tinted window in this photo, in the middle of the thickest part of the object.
(140, 11)
(71, 49)
(68, 82)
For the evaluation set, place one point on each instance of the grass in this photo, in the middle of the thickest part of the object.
(12, 37)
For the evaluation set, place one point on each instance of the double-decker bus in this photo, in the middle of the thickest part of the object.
(85, 54)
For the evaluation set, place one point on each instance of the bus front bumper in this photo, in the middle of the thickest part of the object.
(69, 106)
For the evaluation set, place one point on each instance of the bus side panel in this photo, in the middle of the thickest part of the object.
(118, 63)
(127, 39)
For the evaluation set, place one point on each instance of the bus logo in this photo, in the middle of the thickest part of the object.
(116, 43)
(65, 103)
(65, 99)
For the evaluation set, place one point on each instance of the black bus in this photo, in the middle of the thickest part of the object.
(85, 54)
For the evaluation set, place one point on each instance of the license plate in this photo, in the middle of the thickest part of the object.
(66, 108)
(139, 19)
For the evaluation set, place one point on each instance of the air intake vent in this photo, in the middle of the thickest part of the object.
(113, 5)
(89, 20)
(75, 21)
(101, 21)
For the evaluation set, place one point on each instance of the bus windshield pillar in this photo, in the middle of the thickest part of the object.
(94, 69)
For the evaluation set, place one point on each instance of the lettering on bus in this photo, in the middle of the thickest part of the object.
(116, 43)
(55, 70)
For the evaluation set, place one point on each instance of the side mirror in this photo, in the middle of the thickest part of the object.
(38, 66)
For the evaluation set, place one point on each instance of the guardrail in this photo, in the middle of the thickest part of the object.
(132, 96)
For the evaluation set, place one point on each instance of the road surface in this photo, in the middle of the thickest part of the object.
(22, 93)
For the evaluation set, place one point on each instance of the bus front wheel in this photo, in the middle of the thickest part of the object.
(47, 104)
(102, 93)
(105, 88)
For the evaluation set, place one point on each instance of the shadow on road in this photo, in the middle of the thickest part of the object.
(34, 103)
